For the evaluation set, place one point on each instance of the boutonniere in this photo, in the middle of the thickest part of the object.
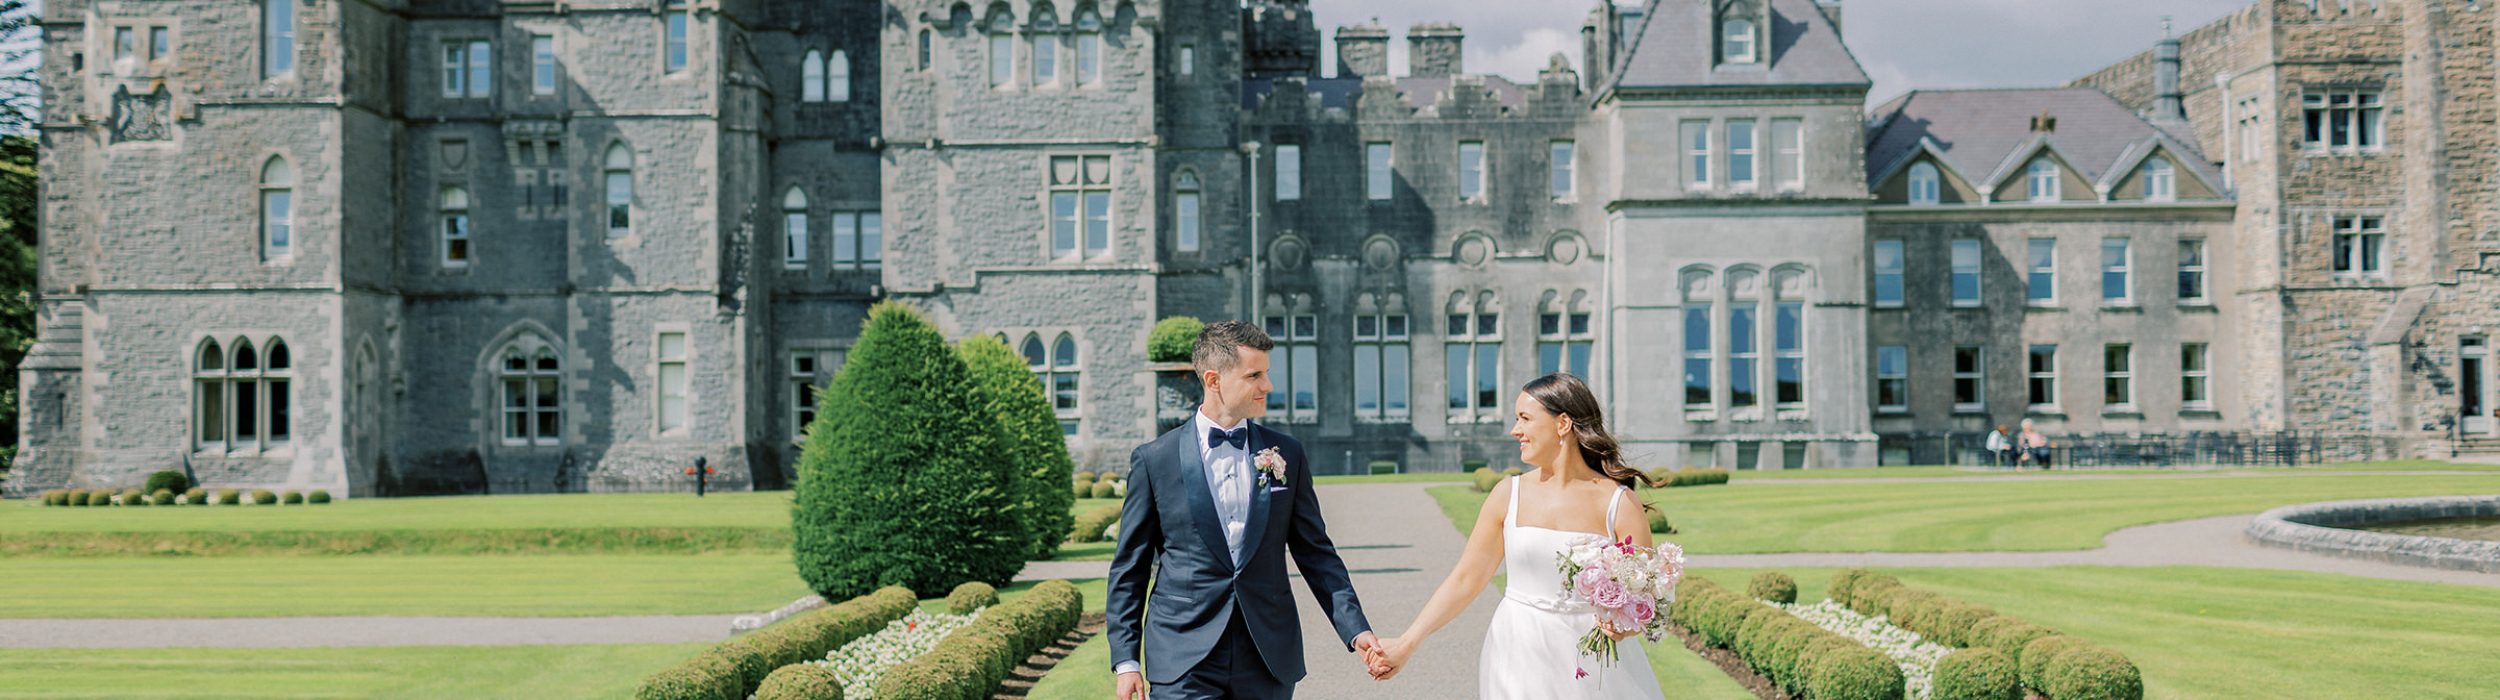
(1271, 466)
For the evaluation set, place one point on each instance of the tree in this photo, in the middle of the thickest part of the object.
(17, 278)
(1032, 449)
(900, 481)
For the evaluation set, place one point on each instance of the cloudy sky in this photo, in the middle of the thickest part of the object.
(1904, 44)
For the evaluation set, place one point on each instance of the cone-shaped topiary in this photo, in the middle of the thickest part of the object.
(1173, 339)
(1031, 445)
(901, 481)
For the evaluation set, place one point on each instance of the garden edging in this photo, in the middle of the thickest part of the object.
(2325, 528)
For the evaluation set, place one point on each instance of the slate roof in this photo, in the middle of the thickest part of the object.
(1677, 41)
(1419, 92)
(1979, 132)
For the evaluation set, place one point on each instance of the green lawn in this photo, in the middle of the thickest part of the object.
(520, 672)
(1976, 514)
(2210, 633)
(543, 585)
(1944, 472)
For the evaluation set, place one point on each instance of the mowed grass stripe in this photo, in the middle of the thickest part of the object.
(521, 672)
(637, 540)
(485, 586)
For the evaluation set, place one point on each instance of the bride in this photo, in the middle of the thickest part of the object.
(1532, 647)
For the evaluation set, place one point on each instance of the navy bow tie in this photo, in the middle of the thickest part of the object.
(1237, 437)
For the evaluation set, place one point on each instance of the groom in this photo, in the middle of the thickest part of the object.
(1220, 622)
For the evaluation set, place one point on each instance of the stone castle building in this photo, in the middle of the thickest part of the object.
(422, 246)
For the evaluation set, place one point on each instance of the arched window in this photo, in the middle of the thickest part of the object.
(1185, 211)
(241, 397)
(1088, 47)
(1045, 46)
(455, 227)
(794, 229)
(1002, 46)
(209, 395)
(277, 38)
(838, 84)
(274, 392)
(277, 209)
(812, 77)
(2043, 180)
(1034, 357)
(1063, 375)
(1739, 41)
(925, 48)
(620, 185)
(532, 396)
(1926, 185)
(2161, 180)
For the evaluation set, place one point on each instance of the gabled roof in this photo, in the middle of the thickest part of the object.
(1979, 134)
(1677, 48)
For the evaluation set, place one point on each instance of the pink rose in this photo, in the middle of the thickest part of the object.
(1609, 595)
(1643, 609)
(1588, 580)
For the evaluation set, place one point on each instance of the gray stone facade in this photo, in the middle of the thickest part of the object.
(464, 309)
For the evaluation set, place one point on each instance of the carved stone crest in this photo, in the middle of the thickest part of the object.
(147, 117)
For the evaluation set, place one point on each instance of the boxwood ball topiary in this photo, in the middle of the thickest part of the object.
(1975, 674)
(1856, 673)
(1486, 479)
(162, 497)
(1173, 339)
(263, 497)
(1773, 586)
(1658, 522)
(228, 497)
(196, 496)
(1086, 477)
(317, 497)
(2092, 672)
(168, 480)
(900, 482)
(290, 498)
(973, 595)
(134, 498)
(1105, 489)
(1031, 444)
(2036, 657)
(800, 682)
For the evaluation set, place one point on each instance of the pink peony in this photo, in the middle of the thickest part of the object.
(1643, 608)
(1588, 580)
(1609, 595)
(1621, 619)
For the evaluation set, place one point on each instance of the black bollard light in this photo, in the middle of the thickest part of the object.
(702, 474)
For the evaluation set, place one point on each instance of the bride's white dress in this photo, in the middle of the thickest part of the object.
(1532, 649)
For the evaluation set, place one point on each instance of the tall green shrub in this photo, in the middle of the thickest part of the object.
(1032, 448)
(901, 481)
(168, 480)
(1173, 339)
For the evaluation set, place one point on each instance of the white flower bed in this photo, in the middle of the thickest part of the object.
(859, 662)
(1917, 656)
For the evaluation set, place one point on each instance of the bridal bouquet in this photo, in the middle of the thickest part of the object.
(1629, 584)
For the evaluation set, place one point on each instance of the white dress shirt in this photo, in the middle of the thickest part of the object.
(1228, 480)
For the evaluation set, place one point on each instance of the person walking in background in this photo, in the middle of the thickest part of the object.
(2000, 448)
(2035, 444)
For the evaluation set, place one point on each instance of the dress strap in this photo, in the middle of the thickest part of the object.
(1511, 518)
(1613, 502)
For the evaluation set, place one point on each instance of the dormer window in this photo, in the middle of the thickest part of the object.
(1925, 184)
(2043, 179)
(2161, 180)
(1738, 40)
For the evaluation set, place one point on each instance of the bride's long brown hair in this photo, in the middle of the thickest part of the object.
(1565, 395)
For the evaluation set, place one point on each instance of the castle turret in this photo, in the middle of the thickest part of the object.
(1282, 39)
(1362, 50)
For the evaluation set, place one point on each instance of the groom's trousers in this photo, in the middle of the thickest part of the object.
(1232, 670)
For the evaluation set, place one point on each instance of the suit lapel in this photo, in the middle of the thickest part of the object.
(1201, 501)
(1256, 524)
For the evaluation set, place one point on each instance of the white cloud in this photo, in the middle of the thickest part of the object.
(1521, 61)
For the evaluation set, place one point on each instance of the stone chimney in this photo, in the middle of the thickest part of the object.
(1433, 50)
(1831, 11)
(2166, 100)
(1362, 50)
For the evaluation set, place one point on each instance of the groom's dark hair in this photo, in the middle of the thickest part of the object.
(1215, 350)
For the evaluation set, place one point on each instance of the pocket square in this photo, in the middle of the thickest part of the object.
(1274, 489)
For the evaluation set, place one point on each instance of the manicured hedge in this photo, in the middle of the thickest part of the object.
(1486, 479)
(971, 596)
(1797, 655)
(262, 497)
(1773, 586)
(800, 682)
(168, 480)
(1091, 525)
(291, 498)
(731, 669)
(1104, 489)
(2090, 672)
(1173, 339)
(317, 497)
(1658, 522)
(970, 663)
(2060, 667)
(227, 497)
(162, 497)
(1030, 443)
(1690, 477)
(1976, 674)
(195, 496)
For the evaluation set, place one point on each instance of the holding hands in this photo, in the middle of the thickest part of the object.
(1386, 658)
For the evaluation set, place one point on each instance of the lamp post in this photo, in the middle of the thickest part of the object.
(1258, 292)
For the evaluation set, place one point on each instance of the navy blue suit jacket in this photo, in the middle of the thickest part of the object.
(1170, 535)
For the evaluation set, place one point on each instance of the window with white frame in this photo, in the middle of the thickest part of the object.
(467, 68)
(2195, 378)
(1045, 46)
(2118, 376)
(1744, 347)
(1185, 211)
(2161, 180)
(673, 382)
(620, 189)
(1288, 171)
(2342, 119)
(1788, 154)
(794, 229)
(2191, 271)
(1080, 206)
(455, 213)
(1700, 358)
(1697, 153)
(1892, 378)
(1560, 157)
(1473, 358)
(1926, 184)
(1471, 171)
(1065, 371)
(858, 240)
(1970, 379)
(1888, 273)
(1294, 366)
(1381, 366)
(1002, 48)
(2359, 242)
(277, 38)
(2042, 179)
(1788, 345)
(1966, 272)
(533, 396)
(1189, 60)
(1564, 339)
(125, 46)
(1739, 41)
(160, 44)
(673, 49)
(1740, 153)
(242, 396)
(2117, 265)
(2041, 389)
(1377, 170)
(812, 77)
(810, 370)
(277, 210)
(2040, 267)
(1088, 48)
(926, 47)
(542, 64)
